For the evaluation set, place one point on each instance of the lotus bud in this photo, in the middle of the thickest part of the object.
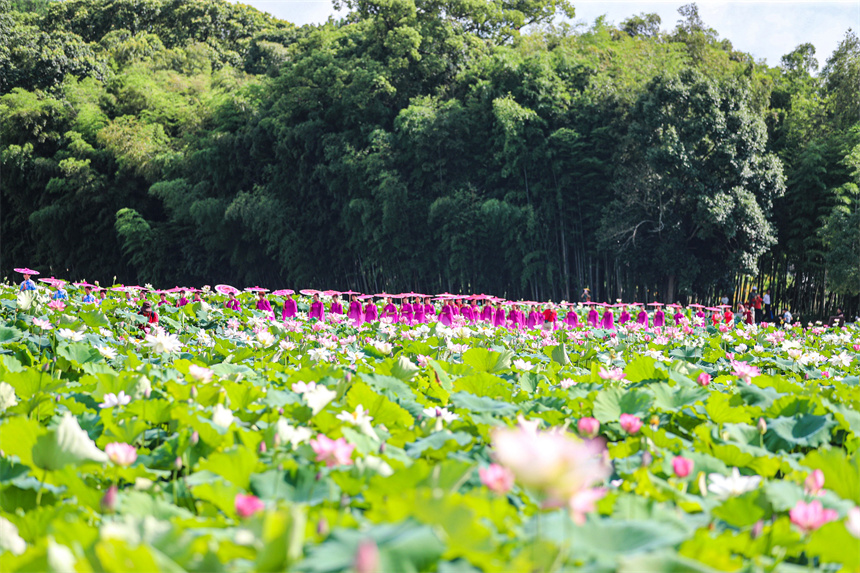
(177, 464)
(322, 527)
(262, 447)
(194, 392)
(147, 393)
(762, 426)
(318, 477)
(109, 499)
(755, 533)
(281, 411)
(347, 376)
(366, 557)
(647, 458)
(704, 379)
(195, 438)
(382, 448)
(276, 440)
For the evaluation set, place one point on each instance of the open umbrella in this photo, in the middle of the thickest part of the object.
(283, 292)
(226, 289)
(310, 292)
(26, 271)
(256, 289)
(84, 284)
(53, 282)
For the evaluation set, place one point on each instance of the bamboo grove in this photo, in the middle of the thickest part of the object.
(479, 146)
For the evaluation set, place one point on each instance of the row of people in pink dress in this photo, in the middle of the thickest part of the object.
(421, 311)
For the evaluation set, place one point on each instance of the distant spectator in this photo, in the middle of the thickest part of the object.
(768, 306)
(837, 319)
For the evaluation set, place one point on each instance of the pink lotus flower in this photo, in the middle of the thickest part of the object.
(56, 305)
(366, 557)
(744, 371)
(108, 501)
(630, 423)
(582, 503)
(814, 483)
(704, 379)
(552, 463)
(497, 478)
(810, 516)
(682, 466)
(121, 454)
(248, 505)
(332, 452)
(588, 427)
(614, 374)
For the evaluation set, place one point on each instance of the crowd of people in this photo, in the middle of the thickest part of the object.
(417, 308)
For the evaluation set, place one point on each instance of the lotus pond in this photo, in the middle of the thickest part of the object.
(225, 441)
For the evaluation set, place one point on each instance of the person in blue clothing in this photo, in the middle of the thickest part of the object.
(28, 284)
(88, 297)
(61, 293)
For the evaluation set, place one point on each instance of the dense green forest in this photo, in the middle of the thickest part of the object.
(479, 145)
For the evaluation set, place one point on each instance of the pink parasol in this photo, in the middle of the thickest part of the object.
(226, 289)
(350, 292)
(310, 292)
(26, 271)
(331, 292)
(656, 304)
(53, 282)
(256, 289)
(84, 284)
(283, 292)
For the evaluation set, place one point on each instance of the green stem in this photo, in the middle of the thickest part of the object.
(41, 483)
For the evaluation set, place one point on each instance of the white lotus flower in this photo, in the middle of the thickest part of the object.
(356, 418)
(222, 416)
(294, 435)
(354, 357)
(521, 364)
(7, 397)
(302, 387)
(382, 347)
(107, 352)
(60, 557)
(9, 538)
(163, 342)
(111, 400)
(265, 338)
(318, 398)
(844, 359)
(200, 373)
(441, 413)
(42, 323)
(376, 464)
(731, 486)
(319, 354)
(287, 345)
(70, 334)
(852, 523)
